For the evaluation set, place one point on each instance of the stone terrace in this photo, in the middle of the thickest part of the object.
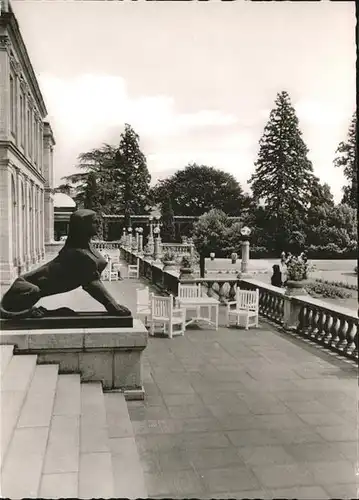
(235, 413)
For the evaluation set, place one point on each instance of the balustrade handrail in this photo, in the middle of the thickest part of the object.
(331, 308)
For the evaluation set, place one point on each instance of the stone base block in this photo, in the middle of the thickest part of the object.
(112, 356)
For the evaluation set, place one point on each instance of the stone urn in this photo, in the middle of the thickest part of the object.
(169, 265)
(212, 255)
(186, 273)
(296, 288)
(234, 257)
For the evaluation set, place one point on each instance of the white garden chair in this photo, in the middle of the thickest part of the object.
(165, 314)
(246, 306)
(143, 304)
(109, 273)
(189, 292)
(133, 270)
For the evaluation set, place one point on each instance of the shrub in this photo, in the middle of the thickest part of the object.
(257, 252)
(327, 291)
(341, 284)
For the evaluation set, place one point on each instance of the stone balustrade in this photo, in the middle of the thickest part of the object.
(106, 245)
(180, 249)
(329, 325)
(332, 326)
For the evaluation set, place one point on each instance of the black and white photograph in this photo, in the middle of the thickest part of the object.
(178, 249)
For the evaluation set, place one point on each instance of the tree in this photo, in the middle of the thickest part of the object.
(121, 175)
(283, 178)
(133, 175)
(332, 225)
(91, 200)
(198, 189)
(346, 158)
(168, 225)
(321, 194)
(210, 231)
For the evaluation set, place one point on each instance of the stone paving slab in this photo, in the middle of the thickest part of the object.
(241, 414)
(252, 414)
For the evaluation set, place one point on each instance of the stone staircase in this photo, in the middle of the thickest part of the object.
(61, 438)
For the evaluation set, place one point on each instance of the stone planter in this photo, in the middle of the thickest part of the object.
(186, 273)
(295, 288)
(169, 265)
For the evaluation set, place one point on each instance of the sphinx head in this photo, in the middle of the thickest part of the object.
(83, 225)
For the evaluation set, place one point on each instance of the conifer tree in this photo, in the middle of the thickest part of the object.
(347, 158)
(92, 200)
(133, 173)
(168, 225)
(283, 179)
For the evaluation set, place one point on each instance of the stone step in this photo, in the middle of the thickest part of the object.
(95, 472)
(61, 468)
(15, 383)
(6, 352)
(23, 463)
(127, 470)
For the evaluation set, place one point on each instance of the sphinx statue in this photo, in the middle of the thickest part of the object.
(77, 264)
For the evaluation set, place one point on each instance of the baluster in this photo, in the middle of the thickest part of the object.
(272, 307)
(352, 336)
(210, 291)
(308, 322)
(221, 292)
(265, 304)
(321, 323)
(335, 332)
(315, 323)
(343, 330)
(281, 309)
(327, 327)
(232, 291)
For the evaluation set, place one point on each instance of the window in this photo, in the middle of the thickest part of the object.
(23, 136)
(12, 105)
(29, 152)
(22, 119)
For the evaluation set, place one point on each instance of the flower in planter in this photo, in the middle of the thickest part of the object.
(298, 269)
(168, 256)
(186, 262)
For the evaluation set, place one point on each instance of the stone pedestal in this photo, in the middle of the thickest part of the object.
(108, 355)
(291, 313)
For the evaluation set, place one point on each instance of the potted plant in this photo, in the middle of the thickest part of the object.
(186, 268)
(169, 259)
(297, 276)
(212, 255)
(234, 257)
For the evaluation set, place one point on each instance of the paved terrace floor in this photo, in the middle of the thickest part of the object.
(241, 414)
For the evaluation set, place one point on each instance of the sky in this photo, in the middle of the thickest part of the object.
(196, 80)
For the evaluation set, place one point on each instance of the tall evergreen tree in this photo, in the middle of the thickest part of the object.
(134, 174)
(91, 200)
(284, 177)
(168, 224)
(121, 174)
(347, 159)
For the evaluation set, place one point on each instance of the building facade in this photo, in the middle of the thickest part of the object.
(26, 157)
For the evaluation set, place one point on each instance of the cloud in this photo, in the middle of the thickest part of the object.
(86, 103)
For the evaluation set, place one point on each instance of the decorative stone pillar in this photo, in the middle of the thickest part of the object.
(5, 88)
(20, 222)
(150, 240)
(291, 313)
(245, 257)
(48, 167)
(6, 250)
